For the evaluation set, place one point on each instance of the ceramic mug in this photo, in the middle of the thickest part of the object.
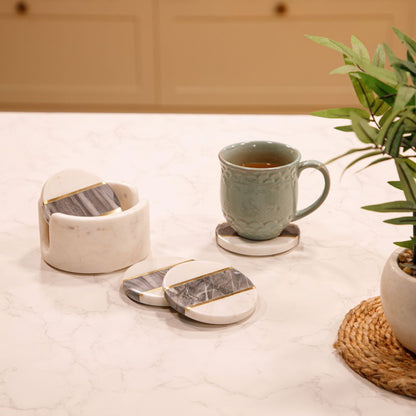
(259, 187)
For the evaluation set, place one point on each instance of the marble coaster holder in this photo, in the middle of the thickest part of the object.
(98, 244)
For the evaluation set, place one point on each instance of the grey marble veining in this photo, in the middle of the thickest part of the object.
(95, 201)
(136, 286)
(206, 288)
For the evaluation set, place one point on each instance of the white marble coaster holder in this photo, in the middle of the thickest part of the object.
(98, 244)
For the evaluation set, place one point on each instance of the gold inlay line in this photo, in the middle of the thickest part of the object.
(87, 188)
(198, 277)
(151, 290)
(157, 270)
(112, 211)
(221, 297)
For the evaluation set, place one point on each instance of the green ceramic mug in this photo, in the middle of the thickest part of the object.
(259, 187)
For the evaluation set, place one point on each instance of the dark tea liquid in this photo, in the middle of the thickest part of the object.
(261, 165)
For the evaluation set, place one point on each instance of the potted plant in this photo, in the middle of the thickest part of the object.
(386, 126)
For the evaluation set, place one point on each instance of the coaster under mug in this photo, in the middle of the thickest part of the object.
(229, 240)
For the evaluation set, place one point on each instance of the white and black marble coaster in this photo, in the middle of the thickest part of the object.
(142, 282)
(79, 193)
(229, 240)
(210, 292)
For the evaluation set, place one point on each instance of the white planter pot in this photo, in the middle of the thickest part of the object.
(398, 297)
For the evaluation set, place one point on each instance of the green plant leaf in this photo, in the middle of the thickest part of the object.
(367, 155)
(344, 128)
(410, 244)
(385, 117)
(359, 48)
(376, 162)
(395, 206)
(355, 58)
(401, 74)
(406, 179)
(412, 166)
(363, 131)
(381, 74)
(364, 94)
(411, 60)
(409, 43)
(397, 134)
(333, 44)
(406, 142)
(402, 221)
(404, 95)
(398, 142)
(410, 123)
(349, 152)
(394, 138)
(405, 66)
(379, 58)
(379, 107)
(405, 244)
(386, 123)
(396, 184)
(386, 92)
(341, 113)
(344, 69)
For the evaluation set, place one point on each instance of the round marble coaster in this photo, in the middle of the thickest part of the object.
(79, 193)
(142, 282)
(210, 292)
(228, 239)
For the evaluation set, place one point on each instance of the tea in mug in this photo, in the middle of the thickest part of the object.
(261, 165)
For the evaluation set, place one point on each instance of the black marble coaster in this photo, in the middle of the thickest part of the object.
(142, 282)
(210, 292)
(94, 200)
(229, 240)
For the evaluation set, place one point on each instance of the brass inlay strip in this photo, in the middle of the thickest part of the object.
(157, 270)
(151, 290)
(112, 211)
(221, 297)
(96, 185)
(197, 278)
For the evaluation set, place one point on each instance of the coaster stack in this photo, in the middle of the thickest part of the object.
(367, 344)
(204, 291)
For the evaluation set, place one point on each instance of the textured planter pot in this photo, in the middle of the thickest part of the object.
(398, 296)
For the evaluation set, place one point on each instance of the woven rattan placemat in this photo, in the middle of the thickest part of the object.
(367, 344)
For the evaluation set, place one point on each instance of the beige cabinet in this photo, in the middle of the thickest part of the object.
(184, 55)
(254, 53)
(94, 52)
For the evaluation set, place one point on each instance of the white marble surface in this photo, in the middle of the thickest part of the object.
(76, 345)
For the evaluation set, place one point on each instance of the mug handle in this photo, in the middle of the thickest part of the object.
(314, 164)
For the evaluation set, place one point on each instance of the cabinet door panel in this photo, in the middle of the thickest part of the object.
(243, 53)
(72, 57)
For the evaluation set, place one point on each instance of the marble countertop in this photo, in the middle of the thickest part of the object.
(76, 345)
